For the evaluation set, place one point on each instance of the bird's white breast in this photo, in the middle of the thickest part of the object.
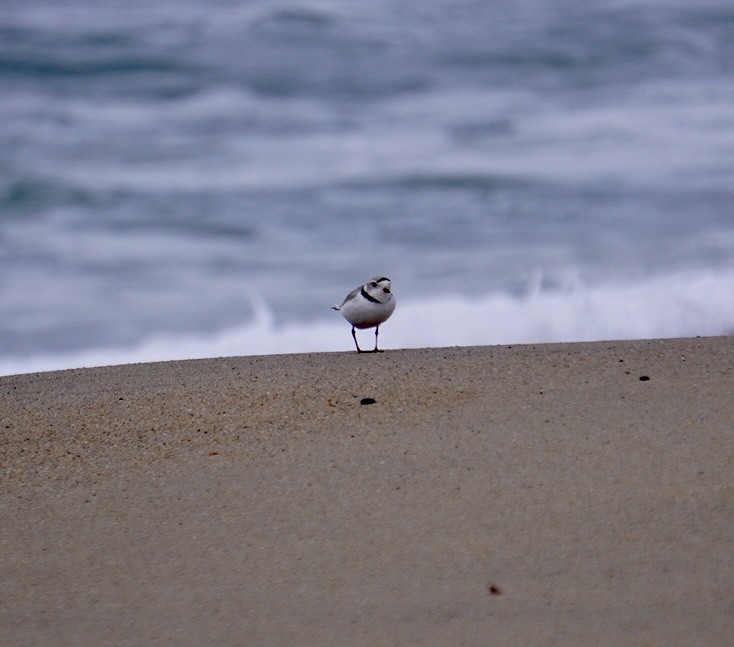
(362, 313)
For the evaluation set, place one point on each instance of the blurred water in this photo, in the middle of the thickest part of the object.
(202, 178)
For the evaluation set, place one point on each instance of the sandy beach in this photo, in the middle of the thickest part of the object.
(565, 494)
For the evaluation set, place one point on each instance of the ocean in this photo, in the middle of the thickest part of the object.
(206, 178)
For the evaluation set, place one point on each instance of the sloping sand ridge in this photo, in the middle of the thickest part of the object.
(569, 494)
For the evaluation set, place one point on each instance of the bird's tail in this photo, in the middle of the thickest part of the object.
(336, 307)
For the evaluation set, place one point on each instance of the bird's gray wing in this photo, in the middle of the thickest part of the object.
(349, 296)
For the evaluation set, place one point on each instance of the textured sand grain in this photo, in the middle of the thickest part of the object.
(532, 495)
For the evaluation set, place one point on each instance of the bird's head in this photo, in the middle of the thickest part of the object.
(379, 288)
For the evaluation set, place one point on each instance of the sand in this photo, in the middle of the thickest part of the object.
(570, 494)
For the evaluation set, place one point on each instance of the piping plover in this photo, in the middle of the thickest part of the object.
(368, 306)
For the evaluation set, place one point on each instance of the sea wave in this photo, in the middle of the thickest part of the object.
(680, 305)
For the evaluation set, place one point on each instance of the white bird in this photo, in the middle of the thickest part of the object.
(367, 307)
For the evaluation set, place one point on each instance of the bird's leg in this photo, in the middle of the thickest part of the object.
(354, 335)
(377, 331)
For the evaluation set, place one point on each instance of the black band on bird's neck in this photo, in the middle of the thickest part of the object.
(369, 297)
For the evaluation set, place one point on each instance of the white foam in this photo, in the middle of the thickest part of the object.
(668, 306)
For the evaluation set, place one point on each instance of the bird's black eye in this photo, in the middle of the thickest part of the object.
(374, 285)
(386, 289)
